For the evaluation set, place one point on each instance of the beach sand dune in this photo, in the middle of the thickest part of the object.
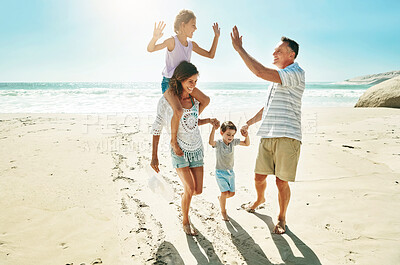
(74, 190)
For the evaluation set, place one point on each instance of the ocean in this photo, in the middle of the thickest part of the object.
(142, 97)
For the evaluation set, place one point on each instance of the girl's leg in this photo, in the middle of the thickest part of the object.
(188, 190)
(178, 112)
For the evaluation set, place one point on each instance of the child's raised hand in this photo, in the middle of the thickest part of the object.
(158, 29)
(217, 30)
(244, 131)
(215, 123)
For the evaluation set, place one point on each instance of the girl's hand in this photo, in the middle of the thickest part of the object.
(154, 164)
(217, 30)
(158, 29)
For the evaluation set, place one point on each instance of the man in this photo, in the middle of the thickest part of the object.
(280, 129)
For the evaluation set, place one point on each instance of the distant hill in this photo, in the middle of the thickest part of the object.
(371, 79)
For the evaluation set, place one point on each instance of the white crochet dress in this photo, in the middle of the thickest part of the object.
(189, 138)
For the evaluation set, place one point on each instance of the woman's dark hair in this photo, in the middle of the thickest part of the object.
(182, 72)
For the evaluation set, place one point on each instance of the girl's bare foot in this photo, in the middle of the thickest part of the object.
(177, 150)
(187, 228)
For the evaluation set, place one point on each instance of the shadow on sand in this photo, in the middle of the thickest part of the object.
(168, 254)
(203, 250)
(245, 244)
(199, 241)
(309, 257)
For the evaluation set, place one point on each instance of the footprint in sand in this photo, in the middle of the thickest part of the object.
(63, 245)
(96, 261)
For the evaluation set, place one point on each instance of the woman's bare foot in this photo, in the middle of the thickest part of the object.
(280, 227)
(175, 147)
(187, 228)
(252, 208)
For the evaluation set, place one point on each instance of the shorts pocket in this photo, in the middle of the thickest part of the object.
(295, 144)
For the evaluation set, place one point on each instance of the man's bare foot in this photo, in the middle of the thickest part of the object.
(280, 227)
(252, 208)
(187, 228)
(177, 150)
(225, 216)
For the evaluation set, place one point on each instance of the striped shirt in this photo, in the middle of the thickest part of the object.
(282, 110)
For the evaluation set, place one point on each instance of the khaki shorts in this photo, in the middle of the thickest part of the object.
(279, 157)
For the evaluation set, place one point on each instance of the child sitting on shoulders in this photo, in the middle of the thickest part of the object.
(224, 173)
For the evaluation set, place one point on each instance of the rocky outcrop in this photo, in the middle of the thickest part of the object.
(385, 94)
(371, 79)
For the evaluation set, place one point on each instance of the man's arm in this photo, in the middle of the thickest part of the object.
(253, 120)
(257, 68)
(256, 118)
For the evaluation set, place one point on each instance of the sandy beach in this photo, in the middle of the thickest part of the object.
(74, 190)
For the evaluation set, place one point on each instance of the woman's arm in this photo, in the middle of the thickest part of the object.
(154, 156)
(202, 98)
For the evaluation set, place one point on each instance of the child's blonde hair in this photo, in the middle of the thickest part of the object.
(184, 16)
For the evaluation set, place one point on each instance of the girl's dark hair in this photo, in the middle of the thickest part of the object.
(182, 72)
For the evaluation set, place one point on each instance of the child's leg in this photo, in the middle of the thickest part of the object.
(230, 194)
(178, 112)
(222, 203)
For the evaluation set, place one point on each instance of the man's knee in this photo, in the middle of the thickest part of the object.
(260, 178)
(281, 184)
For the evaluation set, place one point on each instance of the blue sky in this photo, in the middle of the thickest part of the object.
(99, 40)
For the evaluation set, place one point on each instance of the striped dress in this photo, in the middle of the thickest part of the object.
(282, 110)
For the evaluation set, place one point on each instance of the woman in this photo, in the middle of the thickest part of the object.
(189, 166)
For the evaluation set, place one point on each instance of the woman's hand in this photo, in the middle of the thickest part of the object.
(154, 164)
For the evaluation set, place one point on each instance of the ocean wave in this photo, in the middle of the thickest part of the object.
(143, 97)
